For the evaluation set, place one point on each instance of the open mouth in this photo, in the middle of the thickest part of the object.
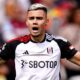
(35, 28)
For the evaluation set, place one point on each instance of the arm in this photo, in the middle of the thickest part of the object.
(4, 54)
(8, 50)
(68, 51)
(76, 58)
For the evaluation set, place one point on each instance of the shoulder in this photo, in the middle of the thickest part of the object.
(62, 42)
(51, 37)
(59, 38)
(16, 41)
(22, 39)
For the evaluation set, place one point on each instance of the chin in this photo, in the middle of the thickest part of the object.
(35, 35)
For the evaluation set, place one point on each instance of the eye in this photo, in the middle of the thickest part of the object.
(31, 18)
(39, 18)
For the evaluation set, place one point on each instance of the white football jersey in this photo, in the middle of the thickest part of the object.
(38, 61)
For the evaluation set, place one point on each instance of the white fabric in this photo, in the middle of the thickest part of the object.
(34, 62)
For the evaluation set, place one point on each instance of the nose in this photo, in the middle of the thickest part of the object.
(35, 22)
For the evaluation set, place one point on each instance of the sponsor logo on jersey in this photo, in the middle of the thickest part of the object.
(39, 64)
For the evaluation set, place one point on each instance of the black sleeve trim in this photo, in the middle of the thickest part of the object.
(66, 51)
(69, 54)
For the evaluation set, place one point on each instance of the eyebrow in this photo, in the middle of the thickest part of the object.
(38, 18)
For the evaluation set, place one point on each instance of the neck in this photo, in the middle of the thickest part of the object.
(39, 38)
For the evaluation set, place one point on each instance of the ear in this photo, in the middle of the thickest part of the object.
(47, 21)
(47, 24)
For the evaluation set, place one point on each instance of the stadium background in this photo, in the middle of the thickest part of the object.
(64, 20)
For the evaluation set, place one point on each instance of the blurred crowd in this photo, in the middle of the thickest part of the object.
(64, 20)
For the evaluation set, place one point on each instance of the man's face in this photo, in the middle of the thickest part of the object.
(36, 22)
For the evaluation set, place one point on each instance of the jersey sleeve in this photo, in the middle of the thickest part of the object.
(67, 49)
(8, 50)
